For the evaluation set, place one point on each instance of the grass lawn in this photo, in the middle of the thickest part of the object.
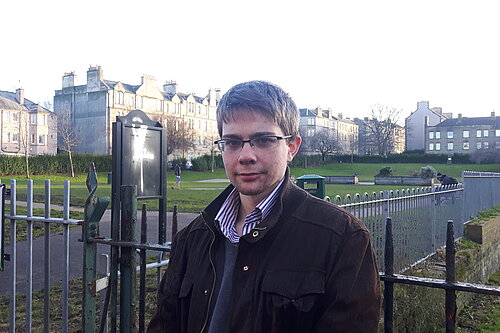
(194, 195)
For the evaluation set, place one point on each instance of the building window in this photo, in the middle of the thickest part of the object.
(465, 134)
(310, 121)
(438, 135)
(431, 146)
(431, 135)
(450, 145)
(450, 135)
(497, 132)
(438, 145)
(310, 132)
(33, 139)
(478, 133)
(486, 133)
(478, 145)
(15, 137)
(41, 140)
(466, 146)
(497, 144)
(6, 116)
(15, 116)
(33, 118)
(485, 145)
(138, 101)
(7, 137)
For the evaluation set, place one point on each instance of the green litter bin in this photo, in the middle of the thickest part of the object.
(110, 177)
(313, 184)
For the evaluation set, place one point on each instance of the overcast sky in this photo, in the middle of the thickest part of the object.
(344, 55)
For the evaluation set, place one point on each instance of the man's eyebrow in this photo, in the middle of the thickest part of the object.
(254, 135)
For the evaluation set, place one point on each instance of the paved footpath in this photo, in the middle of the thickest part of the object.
(76, 249)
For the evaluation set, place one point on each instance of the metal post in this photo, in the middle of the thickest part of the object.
(389, 270)
(451, 301)
(46, 289)
(13, 258)
(128, 319)
(142, 287)
(29, 266)
(65, 282)
(175, 224)
(94, 209)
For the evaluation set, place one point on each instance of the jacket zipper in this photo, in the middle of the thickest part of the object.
(215, 278)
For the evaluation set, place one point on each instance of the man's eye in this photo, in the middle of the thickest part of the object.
(264, 141)
(233, 143)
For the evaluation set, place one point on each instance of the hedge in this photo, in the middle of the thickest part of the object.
(53, 164)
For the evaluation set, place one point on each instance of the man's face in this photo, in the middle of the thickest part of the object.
(252, 171)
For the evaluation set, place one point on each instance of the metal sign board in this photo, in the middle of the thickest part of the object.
(140, 159)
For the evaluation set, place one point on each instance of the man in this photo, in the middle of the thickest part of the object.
(265, 256)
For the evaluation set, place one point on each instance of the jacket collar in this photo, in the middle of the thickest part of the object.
(290, 198)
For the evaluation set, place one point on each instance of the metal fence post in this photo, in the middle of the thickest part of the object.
(451, 301)
(389, 270)
(13, 257)
(46, 289)
(94, 209)
(29, 266)
(128, 316)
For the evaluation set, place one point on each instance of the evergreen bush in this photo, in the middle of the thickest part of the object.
(53, 164)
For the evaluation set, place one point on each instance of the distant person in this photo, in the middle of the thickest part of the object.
(266, 256)
(177, 172)
(446, 180)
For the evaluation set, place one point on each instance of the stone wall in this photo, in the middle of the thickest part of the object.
(341, 179)
(421, 309)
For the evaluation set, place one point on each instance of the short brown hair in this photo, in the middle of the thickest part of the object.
(263, 97)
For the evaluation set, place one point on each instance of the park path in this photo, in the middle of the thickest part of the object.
(76, 249)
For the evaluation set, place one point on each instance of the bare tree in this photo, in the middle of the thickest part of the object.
(25, 138)
(381, 128)
(180, 135)
(68, 137)
(324, 141)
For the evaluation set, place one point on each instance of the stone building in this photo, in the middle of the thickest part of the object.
(94, 106)
(343, 131)
(464, 135)
(416, 122)
(26, 126)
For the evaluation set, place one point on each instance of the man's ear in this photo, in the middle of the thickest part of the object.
(293, 147)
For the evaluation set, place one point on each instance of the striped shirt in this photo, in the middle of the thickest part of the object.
(228, 213)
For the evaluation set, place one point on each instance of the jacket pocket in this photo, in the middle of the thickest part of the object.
(294, 290)
(186, 287)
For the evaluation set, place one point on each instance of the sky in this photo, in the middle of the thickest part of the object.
(343, 55)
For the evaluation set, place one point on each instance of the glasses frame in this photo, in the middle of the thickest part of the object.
(250, 141)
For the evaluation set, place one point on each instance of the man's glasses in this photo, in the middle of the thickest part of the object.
(261, 143)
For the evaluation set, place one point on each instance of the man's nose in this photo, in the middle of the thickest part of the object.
(247, 153)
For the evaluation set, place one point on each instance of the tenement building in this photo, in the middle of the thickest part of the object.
(342, 132)
(416, 122)
(93, 107)
(464, 135)
(26, 126)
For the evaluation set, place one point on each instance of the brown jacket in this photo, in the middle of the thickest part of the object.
(308, 267)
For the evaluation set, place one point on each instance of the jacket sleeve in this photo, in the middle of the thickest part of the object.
(352, 289)
(165, 319)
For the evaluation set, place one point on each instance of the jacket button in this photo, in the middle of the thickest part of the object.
(255, 234)
(205, 292)
(246, 268)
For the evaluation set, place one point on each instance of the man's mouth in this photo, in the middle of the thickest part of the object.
(248, 175)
